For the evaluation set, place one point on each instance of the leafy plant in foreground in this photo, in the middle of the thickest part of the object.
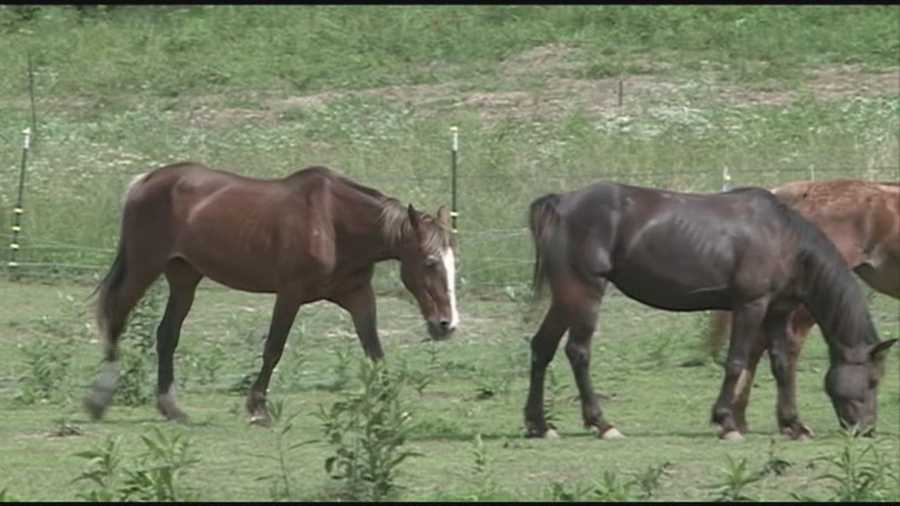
(737, 477)
(367, 430)
(861, 473)
(155, 478)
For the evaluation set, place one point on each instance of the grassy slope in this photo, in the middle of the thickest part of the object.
(312, 48)
(764, 92)
(771, 93)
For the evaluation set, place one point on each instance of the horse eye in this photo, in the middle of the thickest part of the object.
(431, 261)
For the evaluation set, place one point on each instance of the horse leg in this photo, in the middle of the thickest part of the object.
(783, 353)
(360, 303)
(798, 328)
(116, 302)
(543, 347)
(801, 323)
(183, 280)
(286, 306)
(746, 324)
(744, 387)
(578, 350)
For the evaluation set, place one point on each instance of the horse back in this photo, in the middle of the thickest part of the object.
(706, 249)
(223, 222)
(862, 218)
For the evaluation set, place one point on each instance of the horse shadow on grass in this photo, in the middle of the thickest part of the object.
(519, 435)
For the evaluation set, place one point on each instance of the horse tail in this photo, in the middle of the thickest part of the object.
(112, 281)
(544, 221)
(107, 287)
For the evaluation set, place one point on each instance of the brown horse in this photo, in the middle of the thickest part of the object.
(741, 250)
(314, 235)
(862, 219)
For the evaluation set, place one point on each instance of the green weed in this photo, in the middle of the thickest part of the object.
(368, 430)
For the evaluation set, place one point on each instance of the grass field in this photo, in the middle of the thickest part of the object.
(478, 381)
(547, 98)
(770, 94)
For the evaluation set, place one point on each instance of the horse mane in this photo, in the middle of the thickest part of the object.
(832, 293)
(394, 217)
(395, 225)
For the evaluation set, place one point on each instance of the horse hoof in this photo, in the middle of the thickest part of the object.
(803, 434)
(261, 421)
(179, 417)
(612, 433)
(807, 432)
(733, 436)
(94, 408)
(548, 434)
(171, 413)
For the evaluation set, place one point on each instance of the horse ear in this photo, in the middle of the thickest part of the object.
(443, 216)
(879, 351)
(413, 217)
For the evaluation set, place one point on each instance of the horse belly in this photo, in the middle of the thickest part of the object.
(239, 261)
(884, 277)
(672, 295)
(676, 282)
(250, 275)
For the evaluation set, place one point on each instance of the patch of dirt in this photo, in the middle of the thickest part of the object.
(562, 94)
(318, 100)
(541, 60)
(208, 117)
(418, 95)
(849, 80)
(66, 430)
(826, 83)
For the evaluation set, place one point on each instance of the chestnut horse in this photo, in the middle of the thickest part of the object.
(313, 235)
(741, 250)
(862, 219)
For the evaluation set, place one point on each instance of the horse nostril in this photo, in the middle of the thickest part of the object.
(444, 324)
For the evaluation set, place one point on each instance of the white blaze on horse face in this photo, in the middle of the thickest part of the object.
(450, 268)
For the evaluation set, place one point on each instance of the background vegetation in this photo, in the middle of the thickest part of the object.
(768, 94)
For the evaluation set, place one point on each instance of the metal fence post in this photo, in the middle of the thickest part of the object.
(18, 210)
(454, 213)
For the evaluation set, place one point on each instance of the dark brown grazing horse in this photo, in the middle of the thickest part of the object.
(862, 219)
(741, 250)
(313, 235)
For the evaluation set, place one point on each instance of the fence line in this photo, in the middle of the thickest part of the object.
(472, 236)
(46, 246)
(455, 181)
(59, 265)
(615, 173)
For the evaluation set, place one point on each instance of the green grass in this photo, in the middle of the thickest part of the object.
(373, 90)
(770, 93)
(662, 407)
(307, 48)
(74, 192)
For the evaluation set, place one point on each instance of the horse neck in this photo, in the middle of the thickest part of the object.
(834, 298)
(371, 225)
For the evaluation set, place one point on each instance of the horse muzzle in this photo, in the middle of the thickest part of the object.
(440, 329)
